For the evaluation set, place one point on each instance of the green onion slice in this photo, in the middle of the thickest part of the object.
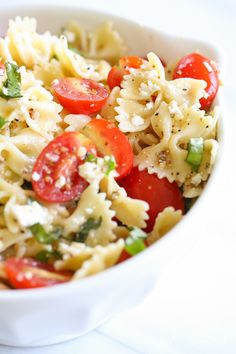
(3, 121)
(195, 153)
(42, 236)
(134, 243)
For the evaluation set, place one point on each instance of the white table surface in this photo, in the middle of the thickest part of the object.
(193, 307)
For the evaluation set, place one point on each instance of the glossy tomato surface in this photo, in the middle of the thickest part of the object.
(109, 140)
(158, 193)
(55, 176)
(199, 67)
(78, 95)
(26, 273)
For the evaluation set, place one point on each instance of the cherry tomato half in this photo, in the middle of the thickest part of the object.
(199, 67)
(78, 95)
(55, 176)
(26, 273)
(116, 73)
(109, 140)
(158, 193)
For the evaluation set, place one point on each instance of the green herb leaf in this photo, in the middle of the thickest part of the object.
(135, 241)
(91, 158)
(3, 121)
(110, 163)
(42, 235)
(195, 153)
(45, 256)
(75, 50)
(90, 224)
(12, 86)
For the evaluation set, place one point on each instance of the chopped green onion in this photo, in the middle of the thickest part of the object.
(12, 86)
(44, 256)
(42, 235)
(91, 158)
(90, 224)
(3, 121)
(195, 153)
(135, 241)
(110, 163)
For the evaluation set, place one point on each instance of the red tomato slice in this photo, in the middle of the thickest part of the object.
(80, 95)
(199, 67)
(55, 176)
(109, 140)
(26, 273)
(158, 193)
(115, 77)
(116, 74)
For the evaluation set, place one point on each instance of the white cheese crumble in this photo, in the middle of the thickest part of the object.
(82, 152)
(28, 215)
(137, 120)
(196, 180)
(35, 176)
(60, 182)
(91, 172)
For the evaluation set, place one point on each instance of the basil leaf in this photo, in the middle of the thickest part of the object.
(42, 235)
(195, 153)
(90, 224)
(134, 243)
(3, 121)
(12, 86)
(44, 256)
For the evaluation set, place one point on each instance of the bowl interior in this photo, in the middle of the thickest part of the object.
(140, 40)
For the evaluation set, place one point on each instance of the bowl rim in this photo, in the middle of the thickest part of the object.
(109, 274)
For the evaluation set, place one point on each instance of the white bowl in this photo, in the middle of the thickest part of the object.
(50, 315)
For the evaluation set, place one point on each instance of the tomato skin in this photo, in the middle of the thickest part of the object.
(131, 62)
(79, 95)
(109, 140)
(124, 255)
(60, 158)
(115, 77)
(158, 193)
(199, 67)
(116, 73)
(26, 273)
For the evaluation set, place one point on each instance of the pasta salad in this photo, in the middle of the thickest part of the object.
(101, 153)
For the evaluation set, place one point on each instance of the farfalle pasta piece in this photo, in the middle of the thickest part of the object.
(77, 36)
(86, 260)
(108, 110)
(168, 157)
(106, 43)
(135, 104)
(8, 239)
(165, 221)
(75, 65)
(93, 204)
(24, 45)
(131, 212)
